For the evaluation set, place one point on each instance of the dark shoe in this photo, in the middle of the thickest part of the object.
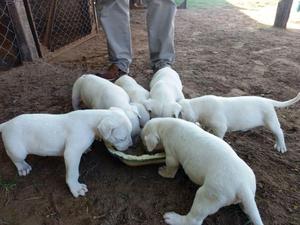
(112, 73)
(160, 66)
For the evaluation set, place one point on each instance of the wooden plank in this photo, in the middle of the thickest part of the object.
(52, 55)
(33, 27)
(283, 13)
(23, 31)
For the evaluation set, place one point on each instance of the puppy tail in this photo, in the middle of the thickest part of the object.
(76, 94)
(249, 206)
(279, 104)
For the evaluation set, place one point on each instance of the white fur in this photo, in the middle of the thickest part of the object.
(223, 114)
(137, 95)
(68, 135)
(135, 91)
(165, 92)
(208, 161)
(99, 93)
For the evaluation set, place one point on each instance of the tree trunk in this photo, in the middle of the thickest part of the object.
(283, 13)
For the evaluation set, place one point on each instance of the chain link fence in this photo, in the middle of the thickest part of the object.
(40, 10)
(9, 51)
(61, 22)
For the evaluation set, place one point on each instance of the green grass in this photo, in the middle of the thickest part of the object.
(203, 3)
(7, 185)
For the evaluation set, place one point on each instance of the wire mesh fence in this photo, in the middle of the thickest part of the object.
(61, 22)
(40, 10)
(9, 51)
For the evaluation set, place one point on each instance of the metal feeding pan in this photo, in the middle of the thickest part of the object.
(136, 156)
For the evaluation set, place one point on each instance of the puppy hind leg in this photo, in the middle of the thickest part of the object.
(170, 169)
(173, 218)
(75, 103)
(23, 168)
(250, 208)
(76, 94)
(272, 123)
(18, 158)
(204, 204)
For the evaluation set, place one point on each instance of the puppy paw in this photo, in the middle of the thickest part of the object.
(280, 148)
(78, 189)
(23, 168)
(173, 218)
(164, 172)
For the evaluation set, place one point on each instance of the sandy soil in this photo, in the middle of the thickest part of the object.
(219, 51)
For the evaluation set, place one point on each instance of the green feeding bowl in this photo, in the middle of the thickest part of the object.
(136, 156)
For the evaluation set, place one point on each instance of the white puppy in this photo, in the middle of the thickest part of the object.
(165, 92)
(135, 91)
(137, 95)
(98, 93)
(223, 114)
(68, 135)
(208, 161)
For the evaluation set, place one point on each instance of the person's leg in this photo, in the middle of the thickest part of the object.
(115, 20)
(160, 23)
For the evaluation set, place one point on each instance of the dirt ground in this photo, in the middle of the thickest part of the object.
(219, 51)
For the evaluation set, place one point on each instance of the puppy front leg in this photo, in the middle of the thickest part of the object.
(72, 157)
(170, 169)
(219, 129)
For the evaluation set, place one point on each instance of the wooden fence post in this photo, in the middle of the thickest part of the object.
(283, 13)
(26, 41)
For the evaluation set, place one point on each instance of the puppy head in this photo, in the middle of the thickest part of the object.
(150, 137)
(153, 107)
(116, 129)
(125, 80)
(171, 110)
(162, 109)
(144, 115)
(187, 113)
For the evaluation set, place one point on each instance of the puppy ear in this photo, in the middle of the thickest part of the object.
(105, 128)
(176, 109)
(135, 110)
(148, 104)
(151, 141)
(144, 114)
